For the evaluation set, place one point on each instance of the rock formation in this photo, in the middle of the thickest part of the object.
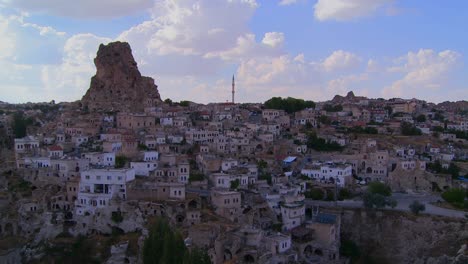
(118, 84)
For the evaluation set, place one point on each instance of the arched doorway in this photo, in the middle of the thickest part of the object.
(180, 219)
(193, 204)
(249, 259)
(308, 251)
(227, 255)
(9, 229)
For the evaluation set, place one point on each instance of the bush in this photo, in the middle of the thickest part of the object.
(416, 207)
(194, 176)
(235, 184)
(376, 200)
(408, 129)
(455, 197)
(349, 249)
(117, 217)
(379, 188)
(120, 161)
(344, 194)
(330, 196)
(315, 194)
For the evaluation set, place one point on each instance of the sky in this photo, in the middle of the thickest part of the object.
(310, 49)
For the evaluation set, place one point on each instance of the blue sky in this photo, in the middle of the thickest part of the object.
(311, 49)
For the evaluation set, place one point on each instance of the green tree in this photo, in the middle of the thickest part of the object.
(389, 109)
(344, 194)
(315, 194)
(349, 249)
(421, 118)
(320, 144)
(20, 124)
(323, 119)
(120, 161)
(416, 207)
(455, 197)
(197, 256)
(409, 129)
(117, 217)
(196, 176)
(332, 108)
(378, 196)
(261, 164)
(168, 101)
(184, 103)
(235, 184)
(265, 176)
(165, 246)
(290, 104)
(379, 188)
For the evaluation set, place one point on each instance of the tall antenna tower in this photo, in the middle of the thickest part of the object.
(233, 88)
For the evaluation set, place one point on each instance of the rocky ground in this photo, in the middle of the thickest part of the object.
(398, 237)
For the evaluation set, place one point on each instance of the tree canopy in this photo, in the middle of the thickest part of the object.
(409, 129)
(20, 124)
(333, 108)
(320, 144)
(290, 104)
(378, 196)
(164, 246)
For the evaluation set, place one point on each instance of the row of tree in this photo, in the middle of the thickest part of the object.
(290, 104)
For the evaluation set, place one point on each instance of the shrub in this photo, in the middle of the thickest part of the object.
(455, 197)
(344, 194)
(379, 188)
(416, 207)
(117, 217)
(315, 194)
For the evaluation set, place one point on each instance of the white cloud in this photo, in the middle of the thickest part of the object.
(74, 73)
(44, 30)
(273, 39)
(340, 60)
(424, 70)
(344, 84)
(287, 2)
(342, 10)
(372, 65)
(82, 8)
(7, 45)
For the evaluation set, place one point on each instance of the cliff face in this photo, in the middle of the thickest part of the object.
(118, 84)
(393, 237)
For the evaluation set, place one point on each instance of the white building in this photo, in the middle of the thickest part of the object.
(292, 214)
(99, 186)
(280, 243)
(228, 164)
(25, 144)
(150, 156)
(100, 158)
(331, 172)
(143, 168)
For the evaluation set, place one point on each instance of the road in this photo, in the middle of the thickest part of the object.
(404, 200)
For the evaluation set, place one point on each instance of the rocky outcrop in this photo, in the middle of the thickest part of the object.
(118, 84)
(395, 237)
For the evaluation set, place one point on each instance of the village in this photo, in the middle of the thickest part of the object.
(246, 182)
